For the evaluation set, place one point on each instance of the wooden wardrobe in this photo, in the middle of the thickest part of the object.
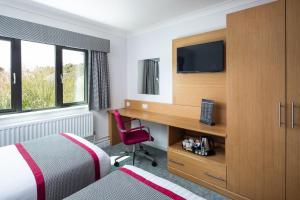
(293, 99)
(263, 81)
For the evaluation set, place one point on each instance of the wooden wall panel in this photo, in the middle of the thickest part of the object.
(187, 93)
(255, 146)
(190, 88)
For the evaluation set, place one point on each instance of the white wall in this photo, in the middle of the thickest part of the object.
(117, 58)
(158, 44)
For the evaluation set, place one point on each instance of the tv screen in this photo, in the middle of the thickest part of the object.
(207, 57)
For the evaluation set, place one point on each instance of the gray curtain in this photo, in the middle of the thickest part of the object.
(99, 89)
(150, 77)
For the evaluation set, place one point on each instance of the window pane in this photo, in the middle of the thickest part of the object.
(73, 76)
(38, 75)
(5, 74)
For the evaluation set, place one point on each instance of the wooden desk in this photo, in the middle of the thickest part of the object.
(208, 171)
(169, 120)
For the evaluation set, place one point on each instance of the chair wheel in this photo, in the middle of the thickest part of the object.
(147, 153)
(116, 164)
(154, 164)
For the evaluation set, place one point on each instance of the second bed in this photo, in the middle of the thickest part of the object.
(129, 182)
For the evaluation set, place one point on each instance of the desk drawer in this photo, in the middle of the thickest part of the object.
(213, 173)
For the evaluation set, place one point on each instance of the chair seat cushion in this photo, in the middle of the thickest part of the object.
(137, 136)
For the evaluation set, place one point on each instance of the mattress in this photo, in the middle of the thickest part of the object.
(133, 183)
(50, 168)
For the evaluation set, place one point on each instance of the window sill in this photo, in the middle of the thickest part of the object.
(44, 113)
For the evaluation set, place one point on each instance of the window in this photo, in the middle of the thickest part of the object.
(5, 75)
(73, 76)
(38, 75)
(35, 76)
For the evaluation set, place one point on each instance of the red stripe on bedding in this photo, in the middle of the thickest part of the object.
(38, 175)
(90, 151)
(163, 190)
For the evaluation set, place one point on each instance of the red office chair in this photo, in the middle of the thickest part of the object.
(133, 136)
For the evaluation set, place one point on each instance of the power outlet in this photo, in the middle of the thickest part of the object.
(127, 103)
(145, 106)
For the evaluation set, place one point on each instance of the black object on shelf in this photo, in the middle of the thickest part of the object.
(207, 112)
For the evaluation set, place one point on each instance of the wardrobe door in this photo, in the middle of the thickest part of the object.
(255, 151)
(293, 99)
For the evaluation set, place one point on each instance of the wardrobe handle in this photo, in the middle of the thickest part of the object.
(293, 115)
(279, 115)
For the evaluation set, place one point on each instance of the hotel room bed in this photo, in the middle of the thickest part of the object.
(133, 183)
(50, 168)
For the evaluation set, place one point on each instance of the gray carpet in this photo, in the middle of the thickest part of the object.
(161, 170)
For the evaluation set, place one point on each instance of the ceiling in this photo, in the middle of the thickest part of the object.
(130, 15)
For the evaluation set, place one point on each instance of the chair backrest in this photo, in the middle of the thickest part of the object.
(120, 124)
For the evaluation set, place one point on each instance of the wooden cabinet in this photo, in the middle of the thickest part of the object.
(201, 168)
(293, 99)
(255, 150)
(209, 171)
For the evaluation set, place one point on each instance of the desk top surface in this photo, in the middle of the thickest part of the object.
(175, 121)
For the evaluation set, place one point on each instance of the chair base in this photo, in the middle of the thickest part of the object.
(141, 152)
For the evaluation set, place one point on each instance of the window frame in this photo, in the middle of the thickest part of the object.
(15, 45)
(59, 84)
(16, 67)
(21, 97)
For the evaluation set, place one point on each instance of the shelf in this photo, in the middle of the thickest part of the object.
(179, 122)
(219, 157)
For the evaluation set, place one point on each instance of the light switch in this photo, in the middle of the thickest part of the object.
(127, 103)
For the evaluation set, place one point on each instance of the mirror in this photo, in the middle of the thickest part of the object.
(148, 76)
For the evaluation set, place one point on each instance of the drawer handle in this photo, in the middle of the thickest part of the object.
(215, 177)
(177, 163)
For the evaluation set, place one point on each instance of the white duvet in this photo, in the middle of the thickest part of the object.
(17, 181)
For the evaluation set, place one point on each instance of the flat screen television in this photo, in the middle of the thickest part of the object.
(208, 57)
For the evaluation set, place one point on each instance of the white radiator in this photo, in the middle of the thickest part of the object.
(79, 124)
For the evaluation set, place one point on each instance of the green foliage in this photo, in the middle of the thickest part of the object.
(5, 102)
(38, 87)
(72, 73)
